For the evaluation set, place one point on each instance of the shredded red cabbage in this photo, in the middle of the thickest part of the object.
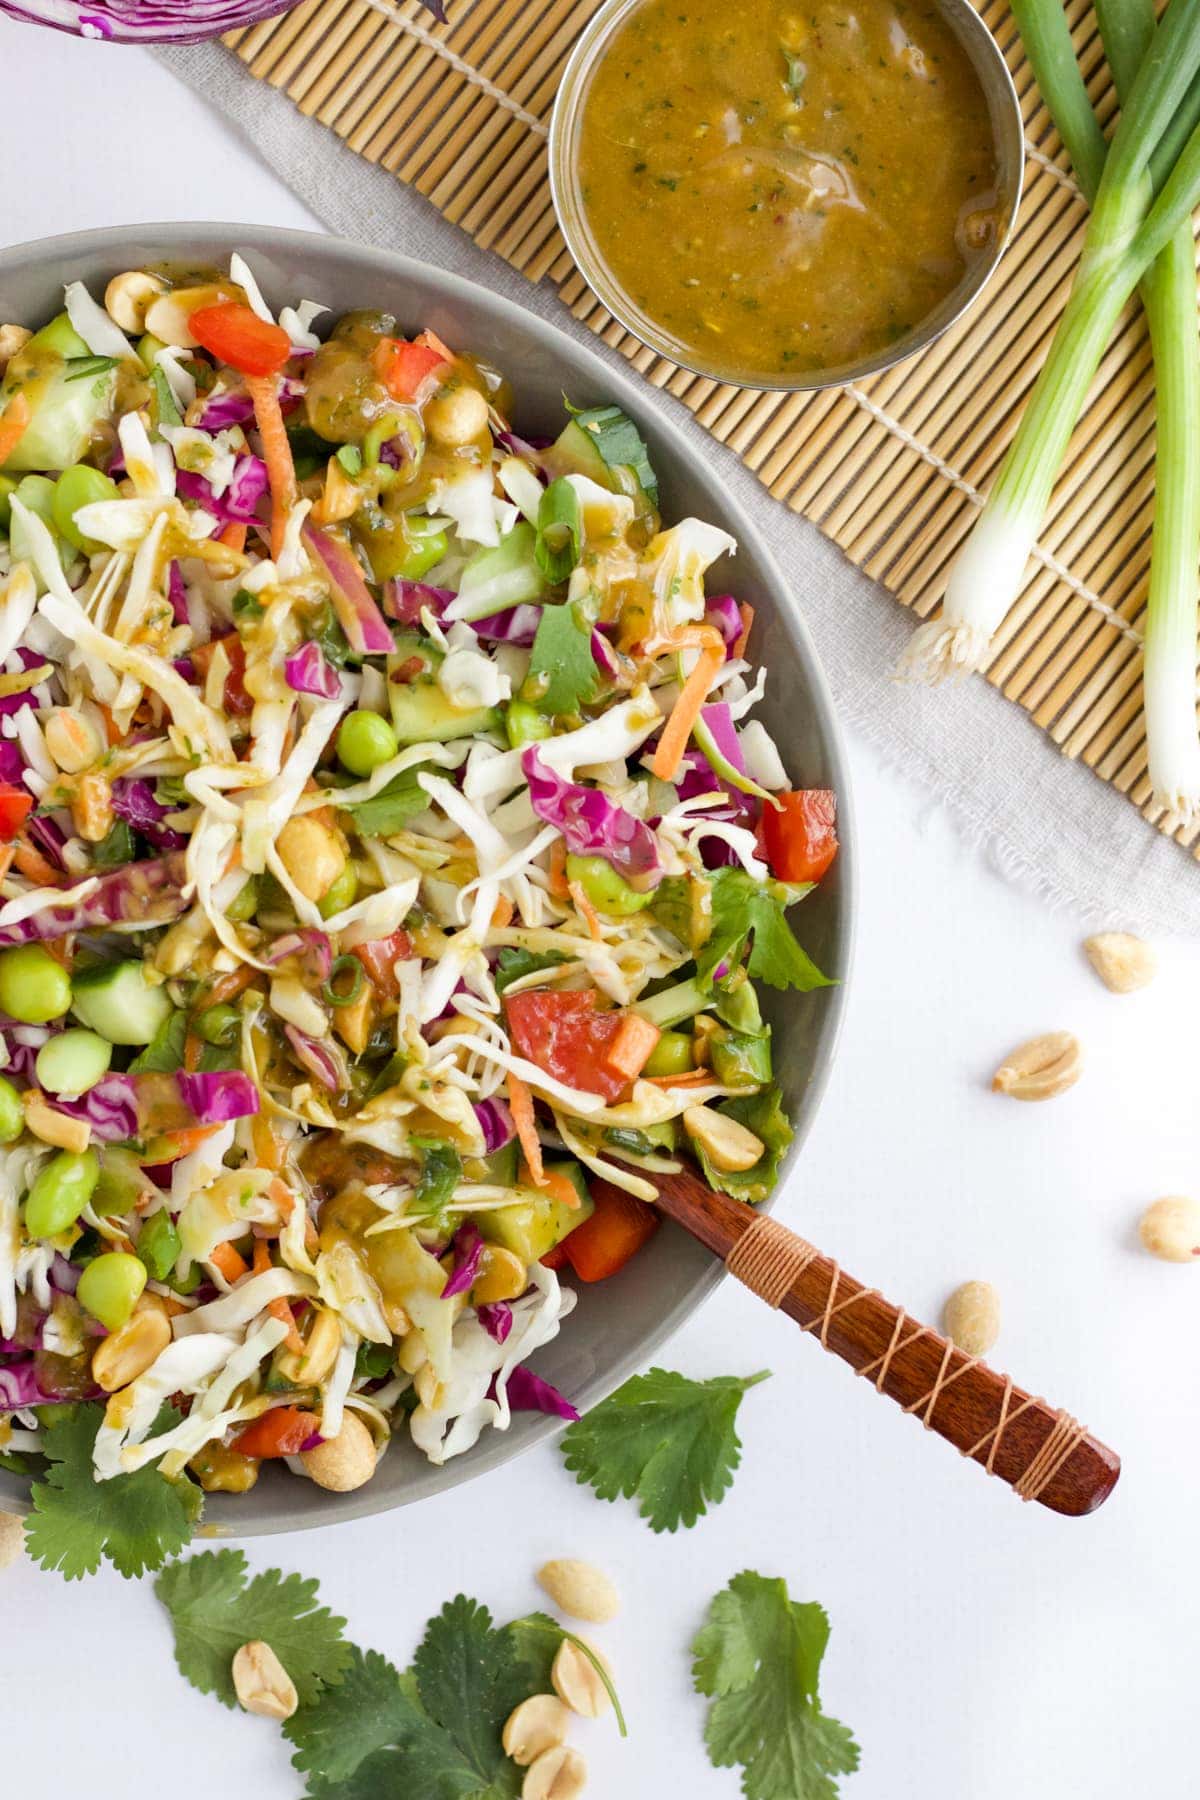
(496, 1318)
(468, 1254)
(722, 611)
(527, 1392)
(177, 595)
(134, 800)
(239, 503)
(322, 1061)
(406, 600)
(592, 824)
(311, 945)
(307, 672)
(130, 1106)
(140, 894)
(496, 1124)
(515, 625)
(364, 625)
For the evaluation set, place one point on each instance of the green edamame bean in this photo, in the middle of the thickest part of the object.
(365, 742)
(37, 493)
(220, 1025)
(524, 724)
(158, 1244)
(427, 546)
(76, 487)
(244, 904)
(607, 891)
(73, 1062)
(12, 1114)
(111, 1286)
(60, 1191)
(339, 893)
(33, 987)
(672, 1055)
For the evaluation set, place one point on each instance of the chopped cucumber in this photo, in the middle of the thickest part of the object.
(118, 1002)
(503, 577)
(421, 713)
(67, 405)
(531, 1227)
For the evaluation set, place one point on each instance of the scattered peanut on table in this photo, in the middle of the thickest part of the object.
(12, 1539)
(576, 1680)
(580, 1590)
(971, 1317)
(1170, 1229)
(1040, 1069)
(261, 1682)
(557, 1774)
(1123, 962)
(538, 1724)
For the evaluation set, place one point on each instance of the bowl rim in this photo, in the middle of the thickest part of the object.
(497, 1448)
(1007, 129)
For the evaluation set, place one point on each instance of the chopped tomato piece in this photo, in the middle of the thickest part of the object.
(801, 834)
(15, 807)
(379, 957)
(403, 368)
(616, 1231)
(235, 335)
(237, 702)
(281, 1432)
(566, 1036)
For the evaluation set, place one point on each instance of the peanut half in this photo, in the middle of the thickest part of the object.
(580, 1590)
(557, 1774)
(261, 1682)
(971, 1317)
(1040, 1069)
(1123, 962)
(12, 1539)
(1170, 1229)
(576, 1680)
(538, 1724)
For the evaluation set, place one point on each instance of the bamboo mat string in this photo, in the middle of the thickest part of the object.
(892, 470)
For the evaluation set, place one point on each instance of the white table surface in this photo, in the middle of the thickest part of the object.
(981, 1650)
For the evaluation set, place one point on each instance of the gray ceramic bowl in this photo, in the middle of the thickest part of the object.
(619, 1324)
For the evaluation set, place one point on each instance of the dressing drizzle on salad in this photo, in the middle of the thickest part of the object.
(389, 855)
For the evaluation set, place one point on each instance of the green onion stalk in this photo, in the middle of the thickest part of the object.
(1128, 230)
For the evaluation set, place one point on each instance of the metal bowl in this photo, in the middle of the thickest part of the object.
(1004, 113)
(620, 1323)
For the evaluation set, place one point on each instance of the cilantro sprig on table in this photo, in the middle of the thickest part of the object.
(664, 1440)
(757, 1658)
(137, 1521)
(365, 1730)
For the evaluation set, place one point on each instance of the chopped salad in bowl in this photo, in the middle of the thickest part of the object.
(391, 858)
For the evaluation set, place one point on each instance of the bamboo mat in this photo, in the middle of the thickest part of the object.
(890, 468)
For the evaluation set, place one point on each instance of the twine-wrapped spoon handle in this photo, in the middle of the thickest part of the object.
(1041, 1452)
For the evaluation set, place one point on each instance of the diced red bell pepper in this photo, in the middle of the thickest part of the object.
(403, 368)
(15, 807)
(379, 957)
(235, 335)
(283, 1431)
(617, 1229)
(565, 1035)
(237, 702)
(801, 834)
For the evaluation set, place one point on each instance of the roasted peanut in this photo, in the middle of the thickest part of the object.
(576, 1680)
(559, 1773)
(536, 1725)
(128, 1352)
(344, 1462)
(128, 297)
(1041, 1068)
(1123, 962)
(261, 1682)
(971, 1317)
(726, 1142)
(580, 1590)
(1170, 1229)
(12, 1539)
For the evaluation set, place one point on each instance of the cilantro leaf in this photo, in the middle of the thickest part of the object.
(619, 443)
(369, 1708)
(742, 909)
(137, 1521)
(562, 670)
(164, 1053)
(470, 1677)
(514, 964)
(391, 808)
(663, 1439)
(763, 1114)
(758, 1658)
(441, 1172)
(214, 1610)
(168, 411)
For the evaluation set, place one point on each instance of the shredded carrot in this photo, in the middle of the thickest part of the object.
(234, 535)
(555, 1185)
(6, 856)
(183, 1142)
(521, 1102)
(262, 1256)
(112, 730)
(282, 1195)
(502, 913)
(226, 987)
(32, 864)
(693, 1078)
(277, 453)
(559, 886)
(193, 1050)
(279, 1309)
(685, 712)
(227, 1262)
(17, 415)
(631, 1047)
(576, 891)
(746, 614)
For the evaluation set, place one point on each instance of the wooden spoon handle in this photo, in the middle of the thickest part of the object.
(1043, 1453)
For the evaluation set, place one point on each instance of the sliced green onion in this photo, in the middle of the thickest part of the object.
(82, 366)
(336, 997)
(351, 458)
(559, 530)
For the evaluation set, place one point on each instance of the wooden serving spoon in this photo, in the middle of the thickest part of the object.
(1044, 1454)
